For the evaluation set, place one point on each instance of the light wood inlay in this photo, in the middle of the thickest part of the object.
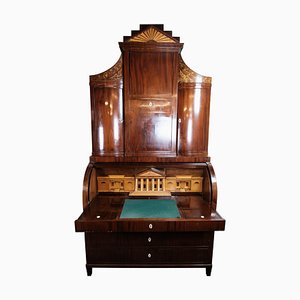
(151, 34)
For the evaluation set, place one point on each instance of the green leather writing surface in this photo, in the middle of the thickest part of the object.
(149, 208)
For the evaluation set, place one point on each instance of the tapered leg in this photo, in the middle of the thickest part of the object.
(208, 270)
(89, 270)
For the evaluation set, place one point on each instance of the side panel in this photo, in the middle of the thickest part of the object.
(107, 120)
(193, 118)
(89, 190)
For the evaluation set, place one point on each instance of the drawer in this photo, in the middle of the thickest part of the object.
(170, 255)
(96, 240)
(170, 239)
(149, 255)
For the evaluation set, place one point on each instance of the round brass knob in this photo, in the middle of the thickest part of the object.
(149, 255)
(150, 226)
(149, 239)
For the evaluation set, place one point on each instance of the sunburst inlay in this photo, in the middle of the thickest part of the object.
(151, 34)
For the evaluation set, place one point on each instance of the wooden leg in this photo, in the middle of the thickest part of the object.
(208, 270)
(89, 270)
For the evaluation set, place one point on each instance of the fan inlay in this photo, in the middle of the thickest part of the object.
(151, 34)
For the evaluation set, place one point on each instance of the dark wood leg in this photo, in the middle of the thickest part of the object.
(89, 270)
(208, 270)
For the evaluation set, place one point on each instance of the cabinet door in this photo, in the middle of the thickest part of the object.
(150, 84)
(150, 127)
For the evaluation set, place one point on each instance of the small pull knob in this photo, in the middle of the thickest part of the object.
(150, 103)
(150, 226)
(179, 120)
(149, 255)
(149, 239)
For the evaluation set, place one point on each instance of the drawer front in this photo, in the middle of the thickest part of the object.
(170, 239)
(149, 239)
(170, 255)
(150, 255)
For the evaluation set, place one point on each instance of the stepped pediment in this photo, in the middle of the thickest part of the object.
(151, 33)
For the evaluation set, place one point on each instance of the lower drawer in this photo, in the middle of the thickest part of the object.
(149, 255)
(170, 255)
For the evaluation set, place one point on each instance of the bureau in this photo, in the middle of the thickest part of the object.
(149, 190)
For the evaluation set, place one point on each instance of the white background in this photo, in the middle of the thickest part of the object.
(48, 50)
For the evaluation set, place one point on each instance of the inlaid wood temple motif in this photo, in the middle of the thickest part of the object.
(149, 191)
(149, 183)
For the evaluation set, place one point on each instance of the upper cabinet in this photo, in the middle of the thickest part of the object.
(150, 104)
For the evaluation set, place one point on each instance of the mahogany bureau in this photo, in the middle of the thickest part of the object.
(149, 191)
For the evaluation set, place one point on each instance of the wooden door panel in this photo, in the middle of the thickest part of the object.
(151, 127)
(151, 103)
(152, 74)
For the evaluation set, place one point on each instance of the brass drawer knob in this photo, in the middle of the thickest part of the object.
(149, 239)
(149, 255)
(150, 226)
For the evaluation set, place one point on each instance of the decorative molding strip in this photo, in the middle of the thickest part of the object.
(151, 34)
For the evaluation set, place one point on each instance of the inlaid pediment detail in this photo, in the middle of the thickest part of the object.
(188, 75)
(114, 73)
(151, 34)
